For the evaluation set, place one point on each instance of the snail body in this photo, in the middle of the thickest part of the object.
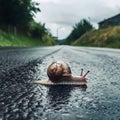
(60, 71)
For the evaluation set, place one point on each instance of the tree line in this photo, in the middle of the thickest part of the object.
(16, 16)
(78, 30)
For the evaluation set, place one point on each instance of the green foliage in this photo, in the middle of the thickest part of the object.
(109, 37)
(78, 30)
(12, 40)
(17, 13)
(37, 30)
(16, 16)
(40, 32)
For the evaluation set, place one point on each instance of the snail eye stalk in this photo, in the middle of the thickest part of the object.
(81, 72)
(86, 73)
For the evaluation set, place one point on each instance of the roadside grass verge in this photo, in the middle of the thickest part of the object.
(16, 40)
(109, 37)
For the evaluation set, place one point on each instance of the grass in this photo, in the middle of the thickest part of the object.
(12, 40)
(109, 37)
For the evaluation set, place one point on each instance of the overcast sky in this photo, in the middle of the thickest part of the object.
(62, 15)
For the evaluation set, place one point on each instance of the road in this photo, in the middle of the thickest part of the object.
(20, 99)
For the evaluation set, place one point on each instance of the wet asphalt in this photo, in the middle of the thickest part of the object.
(20, 99)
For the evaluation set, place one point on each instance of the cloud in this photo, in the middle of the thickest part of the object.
(48, 1)
(66, 13)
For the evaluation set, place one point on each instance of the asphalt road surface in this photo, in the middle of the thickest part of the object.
(20, 99)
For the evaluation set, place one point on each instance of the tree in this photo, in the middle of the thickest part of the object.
(37, 30)
(17, 13)
(78, 30)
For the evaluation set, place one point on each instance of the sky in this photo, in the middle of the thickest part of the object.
(60, 16)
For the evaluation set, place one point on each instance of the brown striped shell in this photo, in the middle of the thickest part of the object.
(58, 71)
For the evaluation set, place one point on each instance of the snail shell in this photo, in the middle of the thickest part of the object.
(58, 71)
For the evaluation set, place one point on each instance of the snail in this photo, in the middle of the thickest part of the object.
(60, 71)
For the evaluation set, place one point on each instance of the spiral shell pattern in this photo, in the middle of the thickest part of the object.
(58, 70)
